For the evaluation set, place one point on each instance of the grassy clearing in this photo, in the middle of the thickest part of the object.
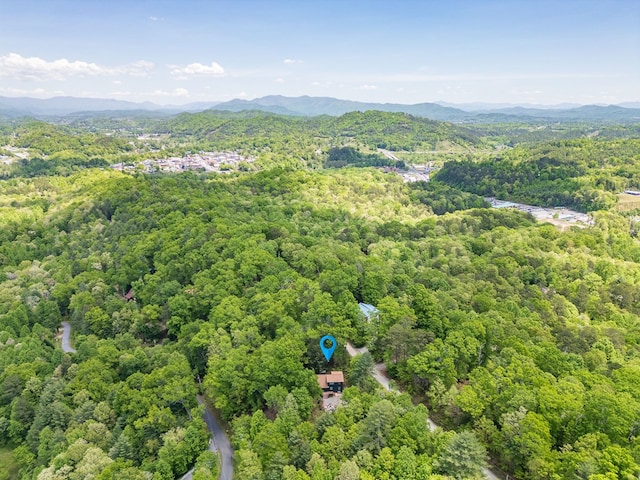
(8, 466)
(628, 202)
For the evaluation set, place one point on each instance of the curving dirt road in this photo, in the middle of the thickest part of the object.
(380, 374)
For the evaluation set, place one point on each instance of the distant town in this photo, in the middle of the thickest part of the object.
(417, 173)
(553, 215)
(203, 161)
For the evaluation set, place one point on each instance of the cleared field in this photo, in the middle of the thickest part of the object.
(628, 202)
(8, 466)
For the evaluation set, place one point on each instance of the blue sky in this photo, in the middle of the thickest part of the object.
(176, 52)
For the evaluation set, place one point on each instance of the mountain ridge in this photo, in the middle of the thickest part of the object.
(314, 106)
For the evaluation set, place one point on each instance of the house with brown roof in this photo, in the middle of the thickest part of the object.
(331, 382)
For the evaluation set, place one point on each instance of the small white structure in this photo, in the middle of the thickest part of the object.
(368, 310)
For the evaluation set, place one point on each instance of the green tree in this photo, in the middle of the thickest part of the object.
(248, 465)
(360, 370)
(349, 470)
(377, 425)
(462, 457)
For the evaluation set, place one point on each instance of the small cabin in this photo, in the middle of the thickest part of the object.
(331, 382)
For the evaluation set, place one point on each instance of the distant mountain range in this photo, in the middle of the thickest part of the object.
(312, 106)
(66, 105)
(332, 106)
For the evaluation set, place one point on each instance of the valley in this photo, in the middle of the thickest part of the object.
(519, 338)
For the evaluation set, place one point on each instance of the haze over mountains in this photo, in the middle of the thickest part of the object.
(312, 106)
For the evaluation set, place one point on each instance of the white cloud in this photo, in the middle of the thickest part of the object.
(15, 65)
(36, 92)
(153, 19)
(197, 69)
(527, 92)
(138, 69)
(117, 82)
(279, 80)
(34, 68)
(476, 77)
(324, 84)
(291, 61)
(367, 87)
(178, 92)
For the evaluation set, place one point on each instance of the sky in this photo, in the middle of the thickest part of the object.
(400, 51)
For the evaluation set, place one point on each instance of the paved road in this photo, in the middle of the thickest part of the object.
(66, 335)
(388, 154)
(380, 374)
(218, 443)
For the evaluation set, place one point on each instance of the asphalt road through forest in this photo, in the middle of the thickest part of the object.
(66, 336)
(219, 443)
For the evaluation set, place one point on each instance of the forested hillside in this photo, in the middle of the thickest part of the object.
(276, 140)
(581, 174)
(521, 340)
(299, 137)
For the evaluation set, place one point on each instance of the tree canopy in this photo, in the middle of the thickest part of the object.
(521, 340)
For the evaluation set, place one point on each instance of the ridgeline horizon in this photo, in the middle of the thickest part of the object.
(313, 106)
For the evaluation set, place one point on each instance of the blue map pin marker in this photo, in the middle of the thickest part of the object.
(328, 351)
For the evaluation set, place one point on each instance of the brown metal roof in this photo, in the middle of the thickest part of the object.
(324, 379)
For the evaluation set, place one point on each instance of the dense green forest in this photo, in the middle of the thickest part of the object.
(521, 340)
(339, 157)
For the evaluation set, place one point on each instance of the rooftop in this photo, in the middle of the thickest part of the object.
(368, 309)
(324, 379)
